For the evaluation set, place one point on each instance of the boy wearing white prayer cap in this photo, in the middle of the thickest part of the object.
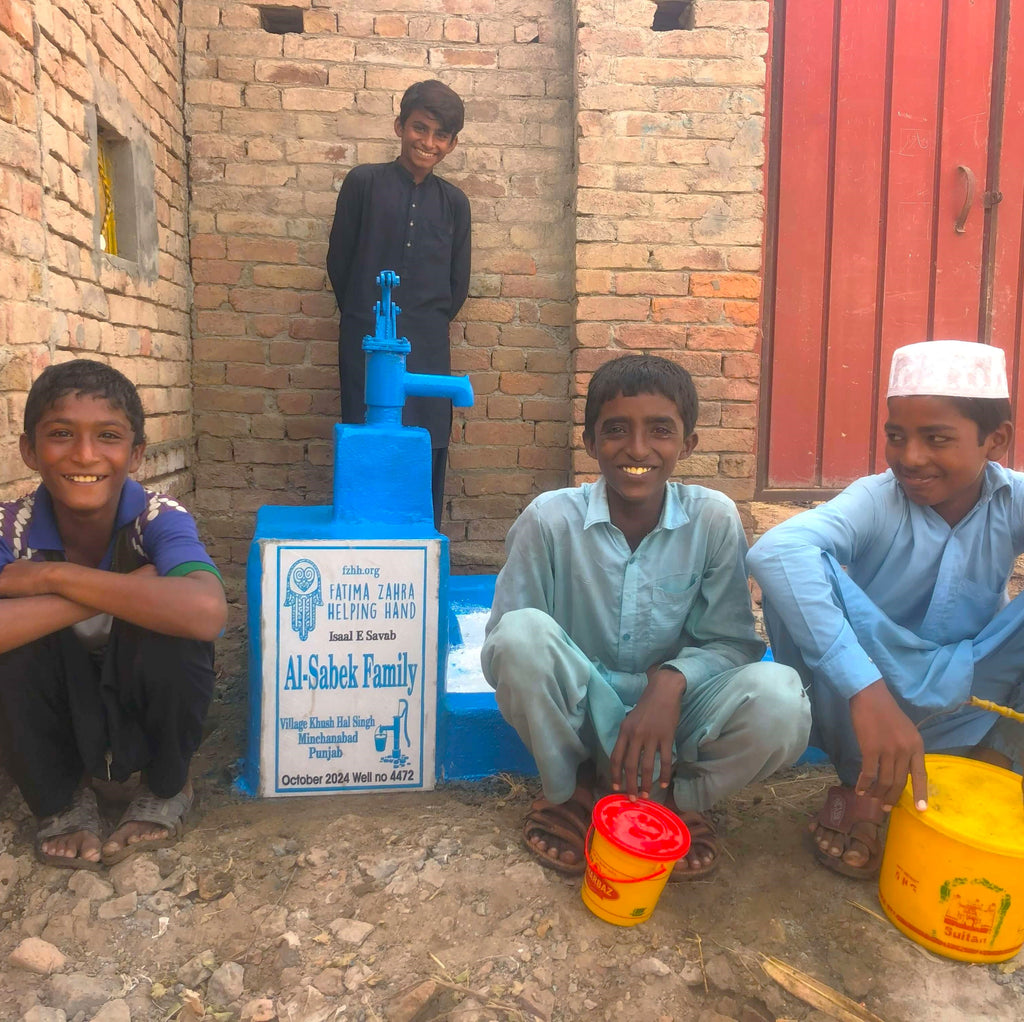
(891, 647)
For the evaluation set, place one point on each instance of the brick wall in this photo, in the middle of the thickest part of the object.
(616, 178)
(62, 68)
(275, 123)
(670, 211)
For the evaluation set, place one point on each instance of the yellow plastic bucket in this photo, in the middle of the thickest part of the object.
(630, 850)
(952, 877)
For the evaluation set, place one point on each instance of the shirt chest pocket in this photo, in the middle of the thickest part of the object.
(671, 599)
(977, 603)
(435, 241)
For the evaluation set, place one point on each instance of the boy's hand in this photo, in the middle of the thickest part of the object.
(649, 729)
(26, 578)
(891, 747)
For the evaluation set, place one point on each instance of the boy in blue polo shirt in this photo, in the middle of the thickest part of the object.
(108, 607)
(890, 599)
(621, 642)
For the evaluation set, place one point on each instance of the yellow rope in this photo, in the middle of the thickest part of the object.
(1003, 711)
(108, 227)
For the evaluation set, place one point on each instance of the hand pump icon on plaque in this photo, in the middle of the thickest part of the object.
(398, 726)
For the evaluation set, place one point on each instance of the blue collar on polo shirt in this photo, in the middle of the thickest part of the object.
(44, 535)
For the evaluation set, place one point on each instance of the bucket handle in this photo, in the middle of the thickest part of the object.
(592, 866)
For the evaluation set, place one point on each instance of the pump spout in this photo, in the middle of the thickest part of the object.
(458, 388)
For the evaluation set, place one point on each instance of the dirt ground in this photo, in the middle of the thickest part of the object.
(414, 907)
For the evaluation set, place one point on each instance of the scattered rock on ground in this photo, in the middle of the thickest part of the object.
(691, 974)
(357, 975)
(90, 886)
(37, 1013)
(719, 972)
(119, 908)
(197, 970)
(351, 931)
(138, 873)
(405, 1006)
(38, 956)
(260, 1009)
(78, 991)
(226, 984)
(330, 982)
(212, 886)
(652, 967)
(113, 1011)
(539, 1002)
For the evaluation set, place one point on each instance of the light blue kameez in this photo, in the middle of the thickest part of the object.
(578, 618)
(921, 604)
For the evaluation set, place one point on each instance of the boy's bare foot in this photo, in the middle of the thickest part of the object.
(71, 839)
(847, 833)
(131, 833)
(83, 844)
(148, 822)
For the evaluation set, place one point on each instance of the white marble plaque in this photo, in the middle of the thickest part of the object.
(349, 635)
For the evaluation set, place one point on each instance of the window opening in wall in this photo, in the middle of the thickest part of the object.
(671, 15)
(281, 20)
(121, 173)
(118, 235)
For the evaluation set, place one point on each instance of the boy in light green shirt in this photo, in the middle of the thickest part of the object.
(621, 642)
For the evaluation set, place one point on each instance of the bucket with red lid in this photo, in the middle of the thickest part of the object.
(630, 849)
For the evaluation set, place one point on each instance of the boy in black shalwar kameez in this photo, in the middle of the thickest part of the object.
(400, 216)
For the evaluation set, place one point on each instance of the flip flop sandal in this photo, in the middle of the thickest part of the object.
(702, 835)
(82, 814)
(568, 822)
(169, 813)
(857, 818)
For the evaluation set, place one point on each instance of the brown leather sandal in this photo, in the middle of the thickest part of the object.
(568, 823)
(857, 818)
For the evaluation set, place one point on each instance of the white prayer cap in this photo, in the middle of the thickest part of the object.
(948, 369)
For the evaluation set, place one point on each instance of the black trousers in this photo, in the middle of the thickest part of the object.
(438, 465)
(64, 714)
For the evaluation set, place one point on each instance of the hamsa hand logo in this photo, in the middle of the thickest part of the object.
(302, 594)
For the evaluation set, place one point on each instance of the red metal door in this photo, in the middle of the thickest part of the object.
(885, 157)
(1008, 244)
